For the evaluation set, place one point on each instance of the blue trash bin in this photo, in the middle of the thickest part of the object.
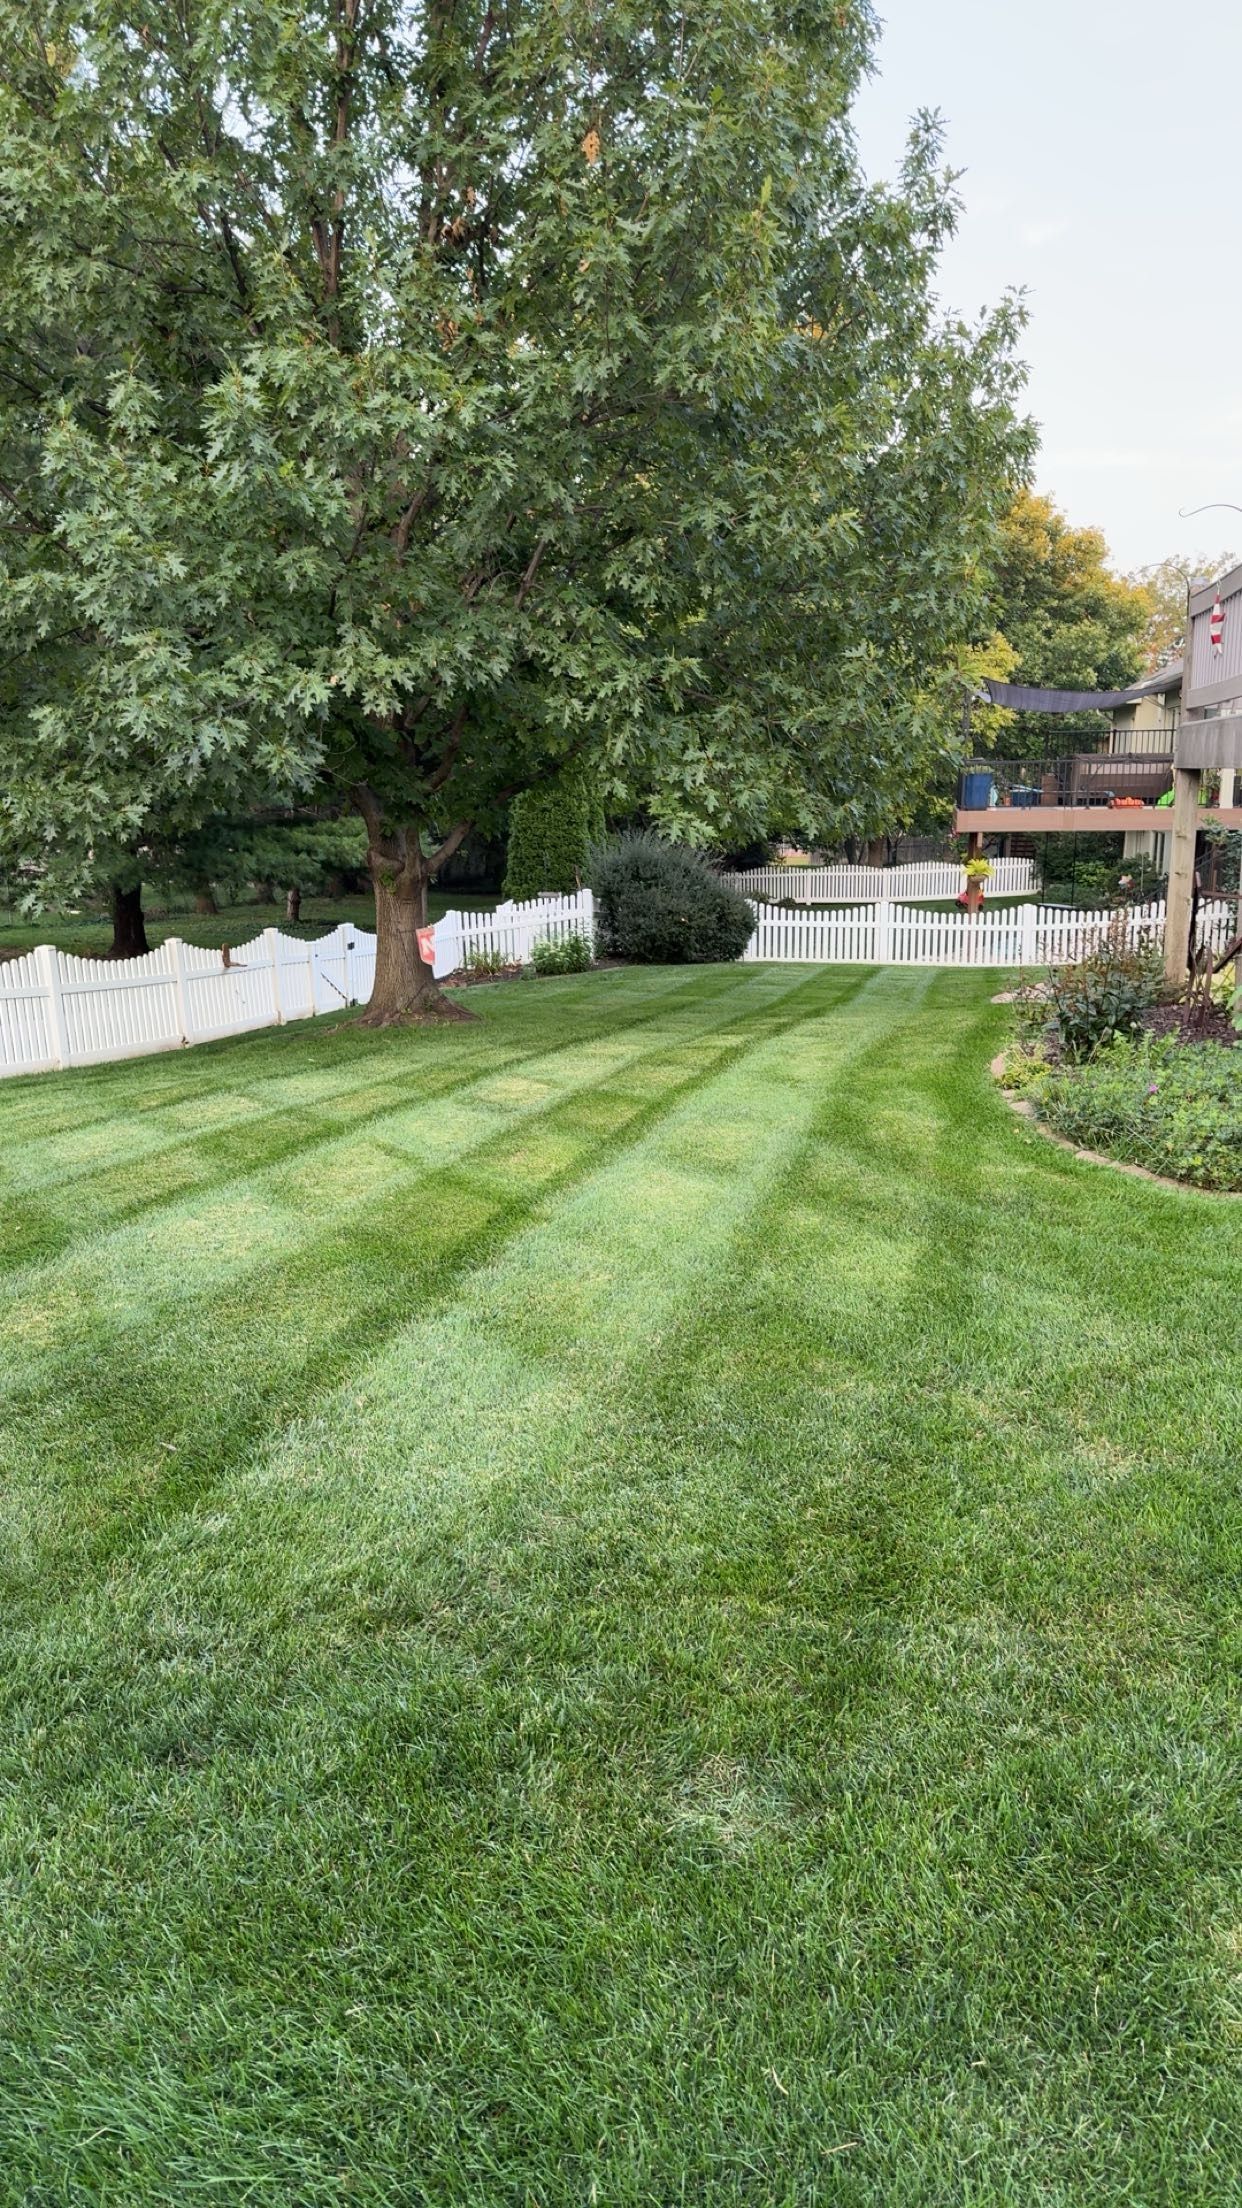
(974, 792)
(1023, 794)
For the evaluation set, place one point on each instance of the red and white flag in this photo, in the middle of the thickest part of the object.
(1216, 629)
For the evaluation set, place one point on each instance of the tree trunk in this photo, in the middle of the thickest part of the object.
(405, 988)
(129, 928)
(293, 902)
(205, 898)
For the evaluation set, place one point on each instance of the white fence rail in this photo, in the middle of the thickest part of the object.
(826, 885)
(510, 932)
(1022, 935)
(57, 1010)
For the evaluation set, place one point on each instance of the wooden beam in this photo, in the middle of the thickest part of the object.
(1180, 897)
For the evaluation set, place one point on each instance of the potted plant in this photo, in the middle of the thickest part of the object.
(978, 871)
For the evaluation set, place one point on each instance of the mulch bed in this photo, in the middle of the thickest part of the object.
(1187, 1023)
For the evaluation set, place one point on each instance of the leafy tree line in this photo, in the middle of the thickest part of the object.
(402, 401)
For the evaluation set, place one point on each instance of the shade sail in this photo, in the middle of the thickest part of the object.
(1020, 699)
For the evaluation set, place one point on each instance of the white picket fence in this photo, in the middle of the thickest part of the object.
(57, 1010)
(826, 885)
(1021, 935)
(511, 931)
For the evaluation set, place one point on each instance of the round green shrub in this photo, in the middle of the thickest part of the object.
(659, 904)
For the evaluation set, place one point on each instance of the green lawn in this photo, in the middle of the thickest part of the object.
(91, 930)
(624, 1605)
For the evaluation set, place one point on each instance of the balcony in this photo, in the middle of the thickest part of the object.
(1098, 792)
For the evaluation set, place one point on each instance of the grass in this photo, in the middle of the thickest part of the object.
(628, 1604)
(90, 930)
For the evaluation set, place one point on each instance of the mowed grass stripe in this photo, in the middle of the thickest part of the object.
(125, 1404)
(176, 1713)
(707, 1692)
(64, 1177)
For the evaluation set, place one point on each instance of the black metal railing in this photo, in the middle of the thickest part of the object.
(1082, 778)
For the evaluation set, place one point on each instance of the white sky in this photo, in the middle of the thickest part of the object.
(1102, 144)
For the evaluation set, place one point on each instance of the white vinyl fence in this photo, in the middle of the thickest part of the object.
(826, 885)
(1022, 935)
(57, 1010)
(512, 931)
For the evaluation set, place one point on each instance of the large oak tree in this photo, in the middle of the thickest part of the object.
(402, 398)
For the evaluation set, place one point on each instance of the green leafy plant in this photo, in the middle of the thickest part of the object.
(571, 954)
(978, 870)
(485, 962)
(402, 397)
(1103, 995)
(1173, 1107)
(660, 904)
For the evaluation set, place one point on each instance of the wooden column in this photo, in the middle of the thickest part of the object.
(1181, 873)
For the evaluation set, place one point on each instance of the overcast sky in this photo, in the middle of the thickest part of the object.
(1100, 140)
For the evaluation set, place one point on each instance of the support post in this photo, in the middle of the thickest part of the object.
(1026, 935)
(176, 954)
(271, 936)
(1180, 901)
(47, 963)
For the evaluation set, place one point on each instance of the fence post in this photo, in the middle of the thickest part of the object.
(176, 953)
(1026, 935)
(271, 937)
(446, 945)
(884, 934)
(47, 961)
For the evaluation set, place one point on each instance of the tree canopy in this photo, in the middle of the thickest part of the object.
(1071, 622)
(1166, 584)
(402, 399)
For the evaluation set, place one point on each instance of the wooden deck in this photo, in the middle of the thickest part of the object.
(1081, 820)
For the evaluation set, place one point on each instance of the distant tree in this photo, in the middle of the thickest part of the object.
(1072, 623)
(1166, 584)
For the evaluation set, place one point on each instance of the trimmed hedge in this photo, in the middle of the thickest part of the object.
(551, 830)
(659, 904)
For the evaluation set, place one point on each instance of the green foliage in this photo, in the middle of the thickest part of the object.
(234, 855)
(570, 954)
(1173, 1107)
(485, 962)
(659, 904)
(551, 830)
(1165, 584)
(406, 400)
(1103, 995)
(1073, 624)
